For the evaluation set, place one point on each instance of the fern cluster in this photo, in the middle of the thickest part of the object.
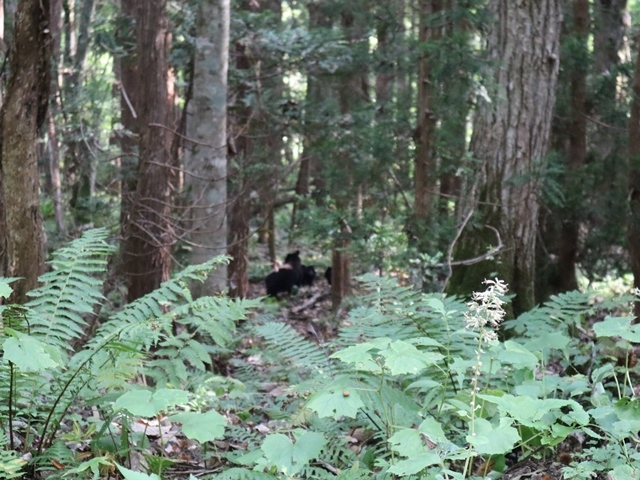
(409, 388)
(43, 379)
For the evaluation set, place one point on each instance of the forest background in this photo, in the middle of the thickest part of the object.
(440, 143)
(408, 139)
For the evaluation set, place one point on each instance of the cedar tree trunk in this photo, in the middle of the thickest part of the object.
(510, 140)
(23, 114)
(148, 235)
(634, 184)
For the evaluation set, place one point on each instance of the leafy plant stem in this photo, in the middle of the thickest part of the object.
(472, 414)
(66, 387)
(12, 374)
(615, 379)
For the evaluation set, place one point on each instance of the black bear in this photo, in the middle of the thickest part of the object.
(327, 274)
(288, 276)
(308, 275)
(292, 260)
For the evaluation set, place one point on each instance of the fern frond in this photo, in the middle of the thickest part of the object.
(557, 314)
(144, 319)
(10, 464)
(70, 290)
(242, 474)
(287, 343)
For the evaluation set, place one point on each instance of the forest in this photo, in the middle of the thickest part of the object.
(319, 239)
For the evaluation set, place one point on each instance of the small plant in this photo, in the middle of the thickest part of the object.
(439, 396)
(44, 382)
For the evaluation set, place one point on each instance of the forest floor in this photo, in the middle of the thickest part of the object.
(308, 311)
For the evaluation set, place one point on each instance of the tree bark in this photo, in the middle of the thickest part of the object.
(55, 26)
(126, 69)
(148, 237)
(610, 18)
(577, 153)
(353, 92)
(206, 160)
(425, 168)
(510, 139)
(634, 183)
(239, 180)
(80, 164)
(23, 114)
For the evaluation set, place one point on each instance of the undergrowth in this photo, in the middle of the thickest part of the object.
(415, 385)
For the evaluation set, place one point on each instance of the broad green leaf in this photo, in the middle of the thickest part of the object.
(493, 441)
(415, 464)
(436, 305)
(599, 374)
(623, 472)
(403, 358)
(143, 403)
(618, 327)
(94, 465)
(5, 289)
(338, 399)
(168, 397)
(546, 341)
(517, 355)
(628, 413)
(433, 429)
(131, 475)
(533, 411)
(28, 353)
(203, 427)
(288, 457)
(425, 342)
(360, 356)
(411, 442)
(249, 458)
(408, 442)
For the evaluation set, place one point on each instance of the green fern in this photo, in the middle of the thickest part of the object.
(70, 291)
(10, 464)
(117, 352)
(558, 314)
(242, 474)
(283, 340)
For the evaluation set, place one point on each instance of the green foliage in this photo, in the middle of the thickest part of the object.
(10, 464)
(70, 290)
(426, 378)
(44, 380)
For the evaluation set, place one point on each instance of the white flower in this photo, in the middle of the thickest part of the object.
(485, 308)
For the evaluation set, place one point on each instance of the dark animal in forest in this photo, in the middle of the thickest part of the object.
(327, 274)
(308, 275)
(287, 277)
(293, 260)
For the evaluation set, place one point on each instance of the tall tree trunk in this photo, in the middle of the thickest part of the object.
(634, 183)
(206, 160)
(454, 119)
(23, 114)
(425, 174)
(81, 166)
(610, 25)
(577, 154)
(352, 94)
(126, 69)
(239, 180)
(147, 242)
(54, 108)
(54, 172)
(319, 87)
(510, 138)
(270, 140)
